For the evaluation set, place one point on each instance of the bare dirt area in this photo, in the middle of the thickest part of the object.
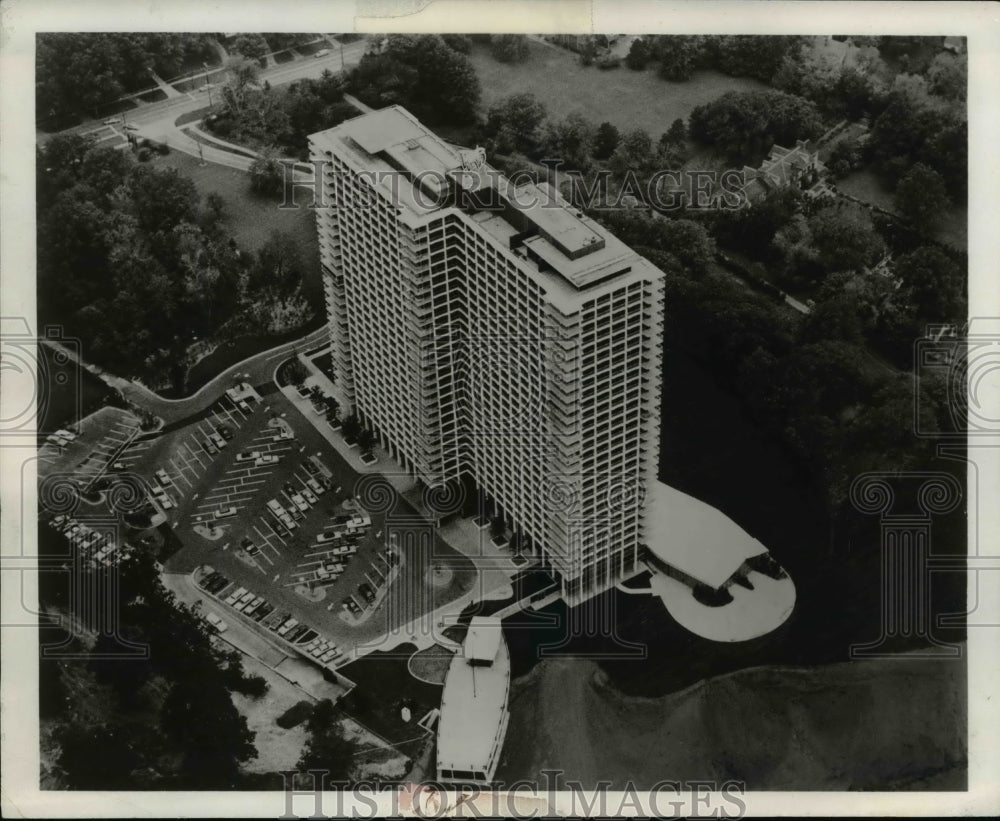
(897, 723)
(277, 748)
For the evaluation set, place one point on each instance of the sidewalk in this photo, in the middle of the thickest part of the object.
(165, 87)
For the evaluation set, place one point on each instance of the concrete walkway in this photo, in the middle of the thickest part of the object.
(164, 86)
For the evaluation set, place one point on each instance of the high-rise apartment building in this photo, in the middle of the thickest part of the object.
(486, 328)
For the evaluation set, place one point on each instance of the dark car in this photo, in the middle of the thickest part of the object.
(225, 431)
(365, 590)
(289, 488)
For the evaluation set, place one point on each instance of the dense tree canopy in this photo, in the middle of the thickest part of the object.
(78, 73)
(509, 48)
(282, 119)
(921, 197)
(132, 262)
(515, 124)
(744, 125)
(436, 83)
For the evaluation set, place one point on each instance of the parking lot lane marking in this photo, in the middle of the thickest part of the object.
(192, 453)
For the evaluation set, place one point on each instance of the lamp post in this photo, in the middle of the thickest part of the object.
(208, 86)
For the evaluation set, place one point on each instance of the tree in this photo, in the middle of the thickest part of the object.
(327, 748)
(638, 54)
(295, 372)
(198, 715)
(605, 141)
(267, 175)
(509, 48)
(497, 528)
(935, 284)
(678, 55)
(350, 427)
(844, 158)
(745, 124)
(515, 123)
(571, 140)
(435, 82)
(948, 76)
(366, 441)
(251, 46)
(754, 55)
(921, 197)
(634, 152)
(243, 75)
(98, 757)
(845, 238)
(677, 133)
(458, 42)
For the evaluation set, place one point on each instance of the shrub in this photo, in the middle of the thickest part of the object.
(144, 154)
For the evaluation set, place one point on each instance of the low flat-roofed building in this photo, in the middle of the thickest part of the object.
(474, 714)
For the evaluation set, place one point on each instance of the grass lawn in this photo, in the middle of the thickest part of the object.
(251, 219)
(952, 229)
(628, 99)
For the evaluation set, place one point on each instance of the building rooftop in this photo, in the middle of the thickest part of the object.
(556, 234)
(483, 638)
(696, 538)
(474, 701)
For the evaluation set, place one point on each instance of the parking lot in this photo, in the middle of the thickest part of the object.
(216, 479)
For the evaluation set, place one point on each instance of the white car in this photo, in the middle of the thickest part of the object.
(233, 597)
(299, 502)
(322, 52)
(65, 434)
(216, 622)
(248, 456)
(288, 522)
(288, 625)
(162, 477)
(225, 513)
(309, 496)
(165, 501)
(316, 487)
(266, 459)
(219, 442)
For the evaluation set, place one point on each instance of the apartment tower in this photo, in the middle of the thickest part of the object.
(483, 327)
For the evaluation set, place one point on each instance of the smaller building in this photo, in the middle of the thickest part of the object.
(474, 712)
(784, 167)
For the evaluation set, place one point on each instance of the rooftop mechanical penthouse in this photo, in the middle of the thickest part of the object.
(490, 333)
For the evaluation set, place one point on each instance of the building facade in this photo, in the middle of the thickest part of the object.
(486, 329)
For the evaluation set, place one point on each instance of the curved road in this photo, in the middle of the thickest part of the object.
(260, 367)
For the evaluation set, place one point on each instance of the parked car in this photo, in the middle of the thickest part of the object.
(266, 459)
(163, 478)
(219, 625)
(365, 590)
(225, 431)
(248, 456)
(309, 496)
(322, 52)
(219, 442)
(316, 487)
(208, 447)
(299, 502)
(225, 512)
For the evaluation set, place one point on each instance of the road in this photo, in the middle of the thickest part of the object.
(149, 114)
(260, 368)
